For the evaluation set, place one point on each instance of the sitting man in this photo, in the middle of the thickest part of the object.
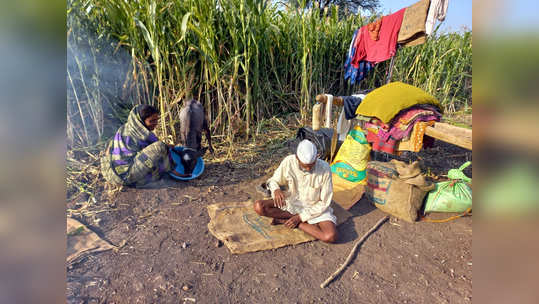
(310, 191)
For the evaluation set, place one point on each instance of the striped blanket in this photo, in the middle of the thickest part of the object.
(135, 156)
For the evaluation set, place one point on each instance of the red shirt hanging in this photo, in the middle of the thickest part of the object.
(384, 48)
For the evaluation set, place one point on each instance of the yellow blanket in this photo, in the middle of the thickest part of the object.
(388, 100)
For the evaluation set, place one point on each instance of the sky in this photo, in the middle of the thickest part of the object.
(459, 13)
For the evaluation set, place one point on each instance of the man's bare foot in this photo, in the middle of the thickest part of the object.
(277, 221)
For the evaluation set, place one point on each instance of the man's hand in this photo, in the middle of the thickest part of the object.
(293, 222)
(278, 198)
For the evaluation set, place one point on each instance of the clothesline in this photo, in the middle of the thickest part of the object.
(378, 41)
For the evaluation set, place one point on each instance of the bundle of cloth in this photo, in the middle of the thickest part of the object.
(394, 116)
(377, 41)
(404, 132)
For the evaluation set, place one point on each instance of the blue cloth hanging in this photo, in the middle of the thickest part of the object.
(355, 75)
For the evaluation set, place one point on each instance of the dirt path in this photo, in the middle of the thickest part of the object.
(170, 257)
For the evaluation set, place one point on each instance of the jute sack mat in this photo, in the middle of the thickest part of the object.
(242, 230)
(82, 241)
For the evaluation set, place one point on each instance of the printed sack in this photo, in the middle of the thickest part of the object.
(351, 160)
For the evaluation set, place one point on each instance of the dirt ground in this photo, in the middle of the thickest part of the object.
(169, 256)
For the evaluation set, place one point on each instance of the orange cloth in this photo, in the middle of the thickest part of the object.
(415, 143)
(374, 29)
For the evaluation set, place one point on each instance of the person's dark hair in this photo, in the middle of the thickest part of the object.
(145, 111)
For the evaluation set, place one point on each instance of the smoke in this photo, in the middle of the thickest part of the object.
(100, 82)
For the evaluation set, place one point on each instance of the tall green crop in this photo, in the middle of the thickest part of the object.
(246, 60)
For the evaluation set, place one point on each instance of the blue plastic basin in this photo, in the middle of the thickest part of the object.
(199, 167)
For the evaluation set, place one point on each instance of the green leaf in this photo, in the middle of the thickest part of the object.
(147, 37)
(185, 19)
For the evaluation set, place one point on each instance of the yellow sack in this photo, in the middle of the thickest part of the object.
(351, 160)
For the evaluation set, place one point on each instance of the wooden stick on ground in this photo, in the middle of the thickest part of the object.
(356, 246)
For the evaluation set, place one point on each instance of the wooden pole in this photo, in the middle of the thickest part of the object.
(457, 136)
(337, 100)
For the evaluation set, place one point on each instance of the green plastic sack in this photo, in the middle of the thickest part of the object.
(451, 196)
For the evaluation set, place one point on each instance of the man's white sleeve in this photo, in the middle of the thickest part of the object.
(278, 178)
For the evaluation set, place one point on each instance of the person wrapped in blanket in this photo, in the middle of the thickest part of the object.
(135, 156)
(310, 190)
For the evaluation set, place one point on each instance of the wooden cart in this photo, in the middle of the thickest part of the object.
(458, 136)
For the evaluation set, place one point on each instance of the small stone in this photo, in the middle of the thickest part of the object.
(186, 287)
(138, 286)
(184, 245)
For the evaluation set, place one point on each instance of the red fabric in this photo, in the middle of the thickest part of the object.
(360, 53)
(385, 47)
(371, 136)
(380, 145)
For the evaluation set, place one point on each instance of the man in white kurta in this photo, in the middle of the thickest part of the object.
(306, 202)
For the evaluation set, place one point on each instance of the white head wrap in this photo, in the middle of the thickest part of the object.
(306, 152)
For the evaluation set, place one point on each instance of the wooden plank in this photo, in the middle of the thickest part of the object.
(453, 135)
(322, 98)
(453, 130)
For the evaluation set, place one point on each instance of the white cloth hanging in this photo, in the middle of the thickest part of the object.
(329, 104)
(437, 10)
